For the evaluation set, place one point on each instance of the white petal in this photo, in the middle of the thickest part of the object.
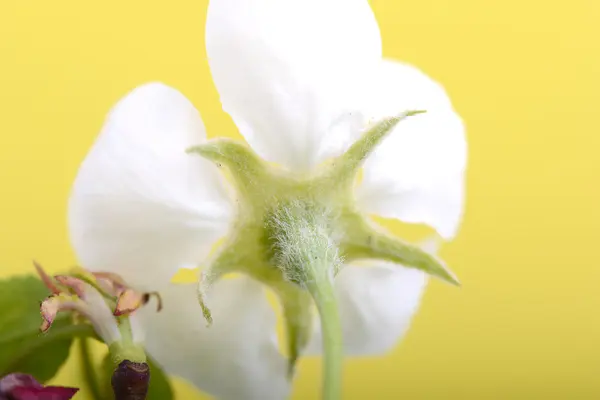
(237, 357)
(140, 206)
(376, 304)
(417, 173)
(286, 71)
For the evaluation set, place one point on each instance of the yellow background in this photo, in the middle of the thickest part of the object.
(523, 74)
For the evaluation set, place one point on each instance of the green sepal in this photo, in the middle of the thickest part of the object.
(122, 350)
(370, 242)
(278, 212)
(298, 313)
(249, 172)
(346, 166)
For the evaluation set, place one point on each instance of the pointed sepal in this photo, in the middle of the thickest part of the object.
(248, 170)
(369, 242)
(346, 166)
(297, 307)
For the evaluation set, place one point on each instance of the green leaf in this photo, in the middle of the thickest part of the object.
(107, 368)
(91, 375)
(24, 348)
(160, 386)
(45, 362)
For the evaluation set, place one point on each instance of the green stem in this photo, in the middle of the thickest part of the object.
(125, 329)
(331, 331)
(308, 256)
(89, 372)
(126, 348)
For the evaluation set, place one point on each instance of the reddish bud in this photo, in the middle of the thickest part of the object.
(130, 381)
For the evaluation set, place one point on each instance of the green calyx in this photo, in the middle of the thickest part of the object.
(286, 220)
(126, 348)
(121, 351)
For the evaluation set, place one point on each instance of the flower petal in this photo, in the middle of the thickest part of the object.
(286, 72)
(140, 206)
(11, 381)
(26, 387)
(45, 393)
(236, 357)
(376, 304)
(417, 173)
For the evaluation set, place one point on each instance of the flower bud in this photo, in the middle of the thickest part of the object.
(130, 380)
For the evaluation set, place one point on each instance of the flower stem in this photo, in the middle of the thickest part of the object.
(308, 256)
(126, 348)
(331, 331)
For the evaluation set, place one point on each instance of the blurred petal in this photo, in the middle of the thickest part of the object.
(44, 393)
(376, 305)
(140, 206)
(237, 357)
(26, 387)
(11, 381)
(417, 173)
(287, 72)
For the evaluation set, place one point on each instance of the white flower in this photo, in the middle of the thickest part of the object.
(301, 79)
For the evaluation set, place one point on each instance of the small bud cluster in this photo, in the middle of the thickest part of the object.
(99, 297)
